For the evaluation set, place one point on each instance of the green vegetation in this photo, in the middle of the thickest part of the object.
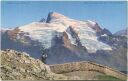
(108, 77)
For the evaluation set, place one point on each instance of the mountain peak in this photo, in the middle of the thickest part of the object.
(54, 15)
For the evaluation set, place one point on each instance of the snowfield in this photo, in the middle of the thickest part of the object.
(45, 32)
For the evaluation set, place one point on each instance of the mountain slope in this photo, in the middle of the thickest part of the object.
(20, 66)
(67, 40)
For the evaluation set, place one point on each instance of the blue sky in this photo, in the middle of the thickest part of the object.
(110, 15)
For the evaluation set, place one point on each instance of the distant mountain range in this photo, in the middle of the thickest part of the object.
(61, 39)
(122, 32)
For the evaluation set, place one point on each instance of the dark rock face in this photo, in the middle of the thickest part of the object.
(31, 47)
(43, 20)
(75, 36)
(54, 15)
(49, 17)
(114, 41)
(104, 31)
(64, 50)
(97, 28)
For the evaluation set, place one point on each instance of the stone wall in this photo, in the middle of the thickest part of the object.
(86, 66)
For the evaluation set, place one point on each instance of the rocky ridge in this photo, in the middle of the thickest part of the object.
(86, 66)
(20, 66)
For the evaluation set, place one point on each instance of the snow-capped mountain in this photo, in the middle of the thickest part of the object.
(57, 24)
(65, 40)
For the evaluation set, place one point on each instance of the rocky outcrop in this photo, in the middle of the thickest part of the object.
(13, 34)
(54, 15)
(74, 36)
(94, 26)
(20, 66)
